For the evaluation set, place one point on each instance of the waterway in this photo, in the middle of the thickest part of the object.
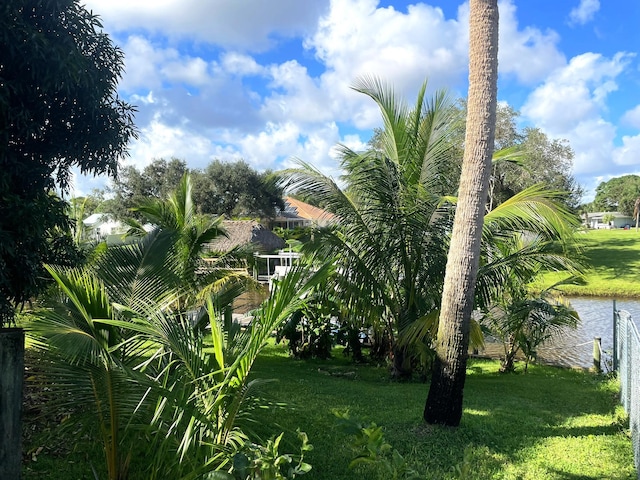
(574, 348)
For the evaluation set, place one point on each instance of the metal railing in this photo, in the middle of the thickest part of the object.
(626, 361)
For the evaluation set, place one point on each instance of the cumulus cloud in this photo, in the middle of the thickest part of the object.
(632, 117)
(529, 53)
(584, 12)
(571, 103)
(251, 25)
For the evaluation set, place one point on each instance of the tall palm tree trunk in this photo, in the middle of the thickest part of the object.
(444, 402)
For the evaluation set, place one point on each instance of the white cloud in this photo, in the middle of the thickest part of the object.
(629, 152)
(632, 117)
(159, 140)
(571, 102)
(528, 54)
(246, 24)
(584, 12)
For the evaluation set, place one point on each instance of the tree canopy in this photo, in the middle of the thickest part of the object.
(618, 194)
(236, 189)
(58, 109)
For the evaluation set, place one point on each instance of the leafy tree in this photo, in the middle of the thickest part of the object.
(618, 194)
(444, 402)
(535, 159)
(58, 109)
(156, 180)
(234, 189)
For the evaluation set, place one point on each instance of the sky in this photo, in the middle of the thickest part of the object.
(269, 81)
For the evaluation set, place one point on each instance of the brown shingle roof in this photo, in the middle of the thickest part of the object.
(247, 232)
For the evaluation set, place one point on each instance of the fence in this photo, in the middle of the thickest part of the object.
(626, 361)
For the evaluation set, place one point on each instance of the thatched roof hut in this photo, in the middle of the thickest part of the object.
(247, 233)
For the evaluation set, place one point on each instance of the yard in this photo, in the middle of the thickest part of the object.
(551, 423)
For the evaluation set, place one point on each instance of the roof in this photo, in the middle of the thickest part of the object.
(296, 208)
(247, 232)
(96, 218)
(595, 215)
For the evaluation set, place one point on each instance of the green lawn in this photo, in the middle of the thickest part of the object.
(551, 423)
(614, 256)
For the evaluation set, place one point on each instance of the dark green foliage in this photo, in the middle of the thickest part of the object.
(58, 109)
(156, 180)
(234, 189)
(618, 194)
(310, 331)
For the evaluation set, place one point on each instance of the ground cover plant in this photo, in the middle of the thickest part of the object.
(614, 257)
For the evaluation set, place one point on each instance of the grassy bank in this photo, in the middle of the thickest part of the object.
(549, 424)
(614, 256)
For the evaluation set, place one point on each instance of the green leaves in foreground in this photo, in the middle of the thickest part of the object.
(153, 381)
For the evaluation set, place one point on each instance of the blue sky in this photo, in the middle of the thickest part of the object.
(268, 81)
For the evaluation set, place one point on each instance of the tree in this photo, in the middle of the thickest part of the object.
(389, 244)
(235, 189)
(618, 194)
(156, 180)
(176, 218)
(58, 109)
(444, 402)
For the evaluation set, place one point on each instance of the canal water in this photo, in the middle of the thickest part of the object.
(575, 347)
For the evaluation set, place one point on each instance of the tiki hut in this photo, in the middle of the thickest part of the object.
(247, 233)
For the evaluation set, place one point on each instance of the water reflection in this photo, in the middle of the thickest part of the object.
(575, 347)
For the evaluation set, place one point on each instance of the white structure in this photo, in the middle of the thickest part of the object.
(614, 220)
(100, 225)
(278, 265)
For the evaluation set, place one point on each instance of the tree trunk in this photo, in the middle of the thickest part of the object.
(11, 379)
(444, 402)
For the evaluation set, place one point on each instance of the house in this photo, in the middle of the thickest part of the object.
(253, 235)
(101, 226)
(608, 220)
(297, 213)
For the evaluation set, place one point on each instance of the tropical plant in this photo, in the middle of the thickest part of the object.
(394, 219)
(145, 372)
(388, 244)
(126, 341)
(518, 317)
(176, 218)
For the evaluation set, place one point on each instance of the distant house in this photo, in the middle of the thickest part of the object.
(100, 226)
(300, 214)
(614, 220)
(250, 233)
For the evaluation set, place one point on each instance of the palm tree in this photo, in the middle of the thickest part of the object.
(177, 224)
(394, 220)
(388, 245)
(636, 212)
(123, 345)
(444, 402)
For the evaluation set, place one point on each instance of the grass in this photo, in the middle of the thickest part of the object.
(614, 257)
(551, 423)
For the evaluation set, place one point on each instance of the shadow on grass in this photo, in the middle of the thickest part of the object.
(505, 415)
